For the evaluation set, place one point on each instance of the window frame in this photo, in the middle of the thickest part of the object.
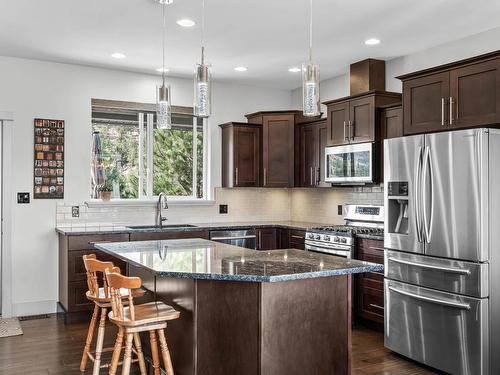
(146, 129)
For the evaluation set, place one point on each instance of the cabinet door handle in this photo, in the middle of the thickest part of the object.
(316, 176)
(345, 138)
(297, 237)
(236, 173)
(265, 179)
(451, 111)
(351, 130)
(376, 306)
(442, 111)
(311, 176)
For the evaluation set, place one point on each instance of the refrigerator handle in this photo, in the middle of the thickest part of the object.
(427, 221)
(417, 189)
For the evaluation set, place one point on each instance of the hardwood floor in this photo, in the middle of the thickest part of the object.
(50, 347)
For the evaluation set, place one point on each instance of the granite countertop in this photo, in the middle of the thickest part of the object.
(208, 260)
(89, 230)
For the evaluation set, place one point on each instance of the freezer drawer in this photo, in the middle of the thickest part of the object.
(448, 275)
(442, 330)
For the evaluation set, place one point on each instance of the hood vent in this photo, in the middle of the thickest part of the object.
(367, 75)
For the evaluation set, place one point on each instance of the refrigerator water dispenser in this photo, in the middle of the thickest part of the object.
(397, 207)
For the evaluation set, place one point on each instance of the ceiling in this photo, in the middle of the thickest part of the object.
(267, 36)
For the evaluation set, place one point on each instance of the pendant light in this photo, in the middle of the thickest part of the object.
(202, 78)
(163, 92)
(310, 77)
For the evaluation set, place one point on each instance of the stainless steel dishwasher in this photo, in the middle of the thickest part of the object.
(242, 237)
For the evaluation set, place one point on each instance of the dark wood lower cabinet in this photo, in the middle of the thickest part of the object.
(169, 235)
(267, 238)
(369, 287)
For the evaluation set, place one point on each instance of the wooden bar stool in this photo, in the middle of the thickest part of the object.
(101, 296)
(133, 319)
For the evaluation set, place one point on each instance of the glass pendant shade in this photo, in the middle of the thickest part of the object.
(163, 110)
(310, 89)
(202, 91)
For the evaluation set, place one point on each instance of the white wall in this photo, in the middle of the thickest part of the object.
(471, 46)
(49, 90)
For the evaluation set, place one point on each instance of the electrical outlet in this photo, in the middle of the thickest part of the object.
(23, 198)
(339, 209)
(75, 211)
(223, 208)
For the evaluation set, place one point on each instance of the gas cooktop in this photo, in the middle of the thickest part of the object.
(348, 229)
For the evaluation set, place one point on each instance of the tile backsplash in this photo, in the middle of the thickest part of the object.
(249, 204)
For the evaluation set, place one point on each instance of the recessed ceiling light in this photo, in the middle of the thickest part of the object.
(161, 70)
(372, 42)
(186, 22)
(241, 69)
(294, 70)
(118, 55)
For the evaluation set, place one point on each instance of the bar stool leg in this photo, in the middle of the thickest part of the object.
(116, 352)
(167, 361)
(140, 355)
(127, 357)
(154, 352)
(90, 336)
(100, 341)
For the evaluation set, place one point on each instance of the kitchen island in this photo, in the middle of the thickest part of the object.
(248, 312)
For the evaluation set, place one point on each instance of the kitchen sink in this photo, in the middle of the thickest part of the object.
(168, 226)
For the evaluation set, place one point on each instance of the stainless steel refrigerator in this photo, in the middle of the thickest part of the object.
(442, 257)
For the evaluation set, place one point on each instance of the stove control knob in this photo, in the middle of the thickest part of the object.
(318, 237)
(336, 239)
(343, 240)
(310, 235)
(327, 238)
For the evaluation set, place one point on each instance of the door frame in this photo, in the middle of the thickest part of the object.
(6, 122)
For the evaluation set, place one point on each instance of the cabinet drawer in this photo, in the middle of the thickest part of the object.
(371, 304)
(76, 268)
(371, 280)
(169, 235)
(297, 239)
(77, 301)
(87, 242)
(370, 251)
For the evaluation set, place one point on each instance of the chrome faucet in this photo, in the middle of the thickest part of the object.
(160, 206)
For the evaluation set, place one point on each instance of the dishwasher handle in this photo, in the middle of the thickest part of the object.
(233, 237)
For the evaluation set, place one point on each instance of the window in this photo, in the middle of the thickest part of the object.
(141, 161)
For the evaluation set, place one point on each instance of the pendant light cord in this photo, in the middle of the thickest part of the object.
(310, 29)
(202, 32)
(163, 42)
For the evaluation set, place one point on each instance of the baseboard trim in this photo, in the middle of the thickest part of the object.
(33, 308)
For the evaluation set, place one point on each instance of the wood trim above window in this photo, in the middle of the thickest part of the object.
(136, 106)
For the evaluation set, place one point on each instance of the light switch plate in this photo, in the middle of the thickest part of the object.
(339, 209)
(75, 211)
(23, 198)
(223, 208)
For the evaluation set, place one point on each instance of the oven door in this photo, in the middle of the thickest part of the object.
(339, 250)
(349, 164)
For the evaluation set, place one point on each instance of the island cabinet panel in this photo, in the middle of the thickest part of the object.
(241, 155)
(235, 307)
(267, 238)
(369, 287)
(168, 235)
(278, 150)
(316, 310)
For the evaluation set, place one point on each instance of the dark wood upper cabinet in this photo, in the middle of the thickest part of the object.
(241, 155)
(425, 102)
(391, 121)
(362, 120)
(459, 95)
(312, 142)
(353, 119)
(475, 95)
(338, 122)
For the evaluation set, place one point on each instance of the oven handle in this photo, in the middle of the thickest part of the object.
(324, 250)
(429, 266)
(462, 306)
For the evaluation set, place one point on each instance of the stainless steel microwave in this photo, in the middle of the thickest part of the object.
(350, 164)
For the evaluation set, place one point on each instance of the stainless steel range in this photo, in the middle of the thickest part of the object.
(339, 239)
